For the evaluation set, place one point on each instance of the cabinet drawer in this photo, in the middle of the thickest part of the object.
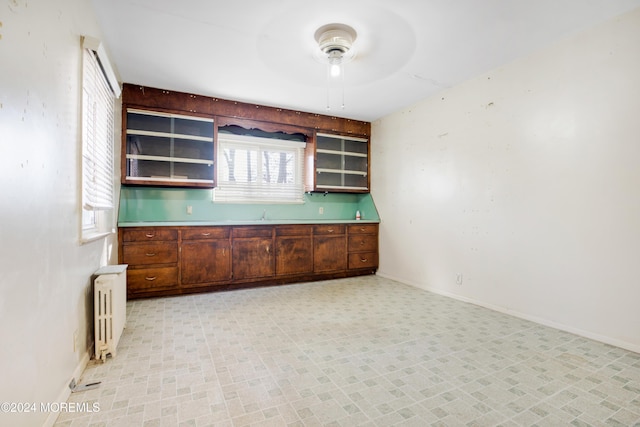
(150, 253)
(252, 231)
(363, 243)
(294, 230)
(363, 260)
(328, 229)
(363, 229)
(202, 233)
(149, 279)
(151, 234)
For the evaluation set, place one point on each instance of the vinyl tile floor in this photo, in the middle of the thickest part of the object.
(363, 351)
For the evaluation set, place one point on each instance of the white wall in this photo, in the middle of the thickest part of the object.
(526, 181)
(45, 281)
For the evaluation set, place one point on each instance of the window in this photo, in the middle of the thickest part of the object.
(259, 170)
(97, 144)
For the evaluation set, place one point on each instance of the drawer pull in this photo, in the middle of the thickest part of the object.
(150, 254)
(206, 234)
(363, 260)
(330, 230)
(362, 243)
(150, 235)
(151, 279)
(362, 229)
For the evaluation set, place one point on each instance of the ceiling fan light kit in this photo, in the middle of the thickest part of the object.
(336, 48)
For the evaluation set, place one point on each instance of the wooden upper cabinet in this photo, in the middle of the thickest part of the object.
(169, 139)
(341, 163)
(167, 149)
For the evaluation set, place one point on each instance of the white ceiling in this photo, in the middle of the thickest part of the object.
(263, 51)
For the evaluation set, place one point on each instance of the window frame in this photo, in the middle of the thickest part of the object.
(99, 91)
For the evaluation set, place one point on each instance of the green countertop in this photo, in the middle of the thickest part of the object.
(236, 223)
(150, 206)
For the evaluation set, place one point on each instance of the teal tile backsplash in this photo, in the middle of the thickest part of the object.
(170, 205)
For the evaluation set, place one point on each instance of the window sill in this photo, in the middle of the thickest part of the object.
(92, 237)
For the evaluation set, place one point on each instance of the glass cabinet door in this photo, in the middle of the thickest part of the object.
(342, 163)
(168, 149)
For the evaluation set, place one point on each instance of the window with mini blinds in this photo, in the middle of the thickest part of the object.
(268, 168)
(99, 89)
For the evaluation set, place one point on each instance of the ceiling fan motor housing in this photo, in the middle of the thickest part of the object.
(335, 39)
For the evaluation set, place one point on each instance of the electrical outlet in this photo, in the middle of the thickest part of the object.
(459, 278)
(321, 210)
(189, 210)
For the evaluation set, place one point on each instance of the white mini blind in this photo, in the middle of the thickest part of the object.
(259, 170)
(97, 136)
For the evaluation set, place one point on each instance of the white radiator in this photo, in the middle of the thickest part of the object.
(110, 308)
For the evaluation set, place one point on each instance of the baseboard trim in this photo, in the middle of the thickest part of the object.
(66, 391)
(545, 322)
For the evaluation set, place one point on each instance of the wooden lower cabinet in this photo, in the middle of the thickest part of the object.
(185, 259)
(144, 280)
(330, 248)
(151, 253)
(252, 253)
(362, 246)
(205, 256)
(294, 249)
(152, 256)
(205, 262)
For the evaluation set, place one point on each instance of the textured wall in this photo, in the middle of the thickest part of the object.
(45, 285)
(525, 182)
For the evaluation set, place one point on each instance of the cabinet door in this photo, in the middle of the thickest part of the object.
(252, 258)
(294, 255)
(167, 149)
(341, 163)
(330, 253)
(205, 262)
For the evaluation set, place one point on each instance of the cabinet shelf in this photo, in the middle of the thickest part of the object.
(171, 179)
(342, 153)
(340, 187)
(169, 135)
(324, 170)
(169, 159)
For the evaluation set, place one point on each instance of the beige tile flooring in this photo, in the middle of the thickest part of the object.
(362, 351)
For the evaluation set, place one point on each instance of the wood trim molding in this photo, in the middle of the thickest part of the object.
(142, 96)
